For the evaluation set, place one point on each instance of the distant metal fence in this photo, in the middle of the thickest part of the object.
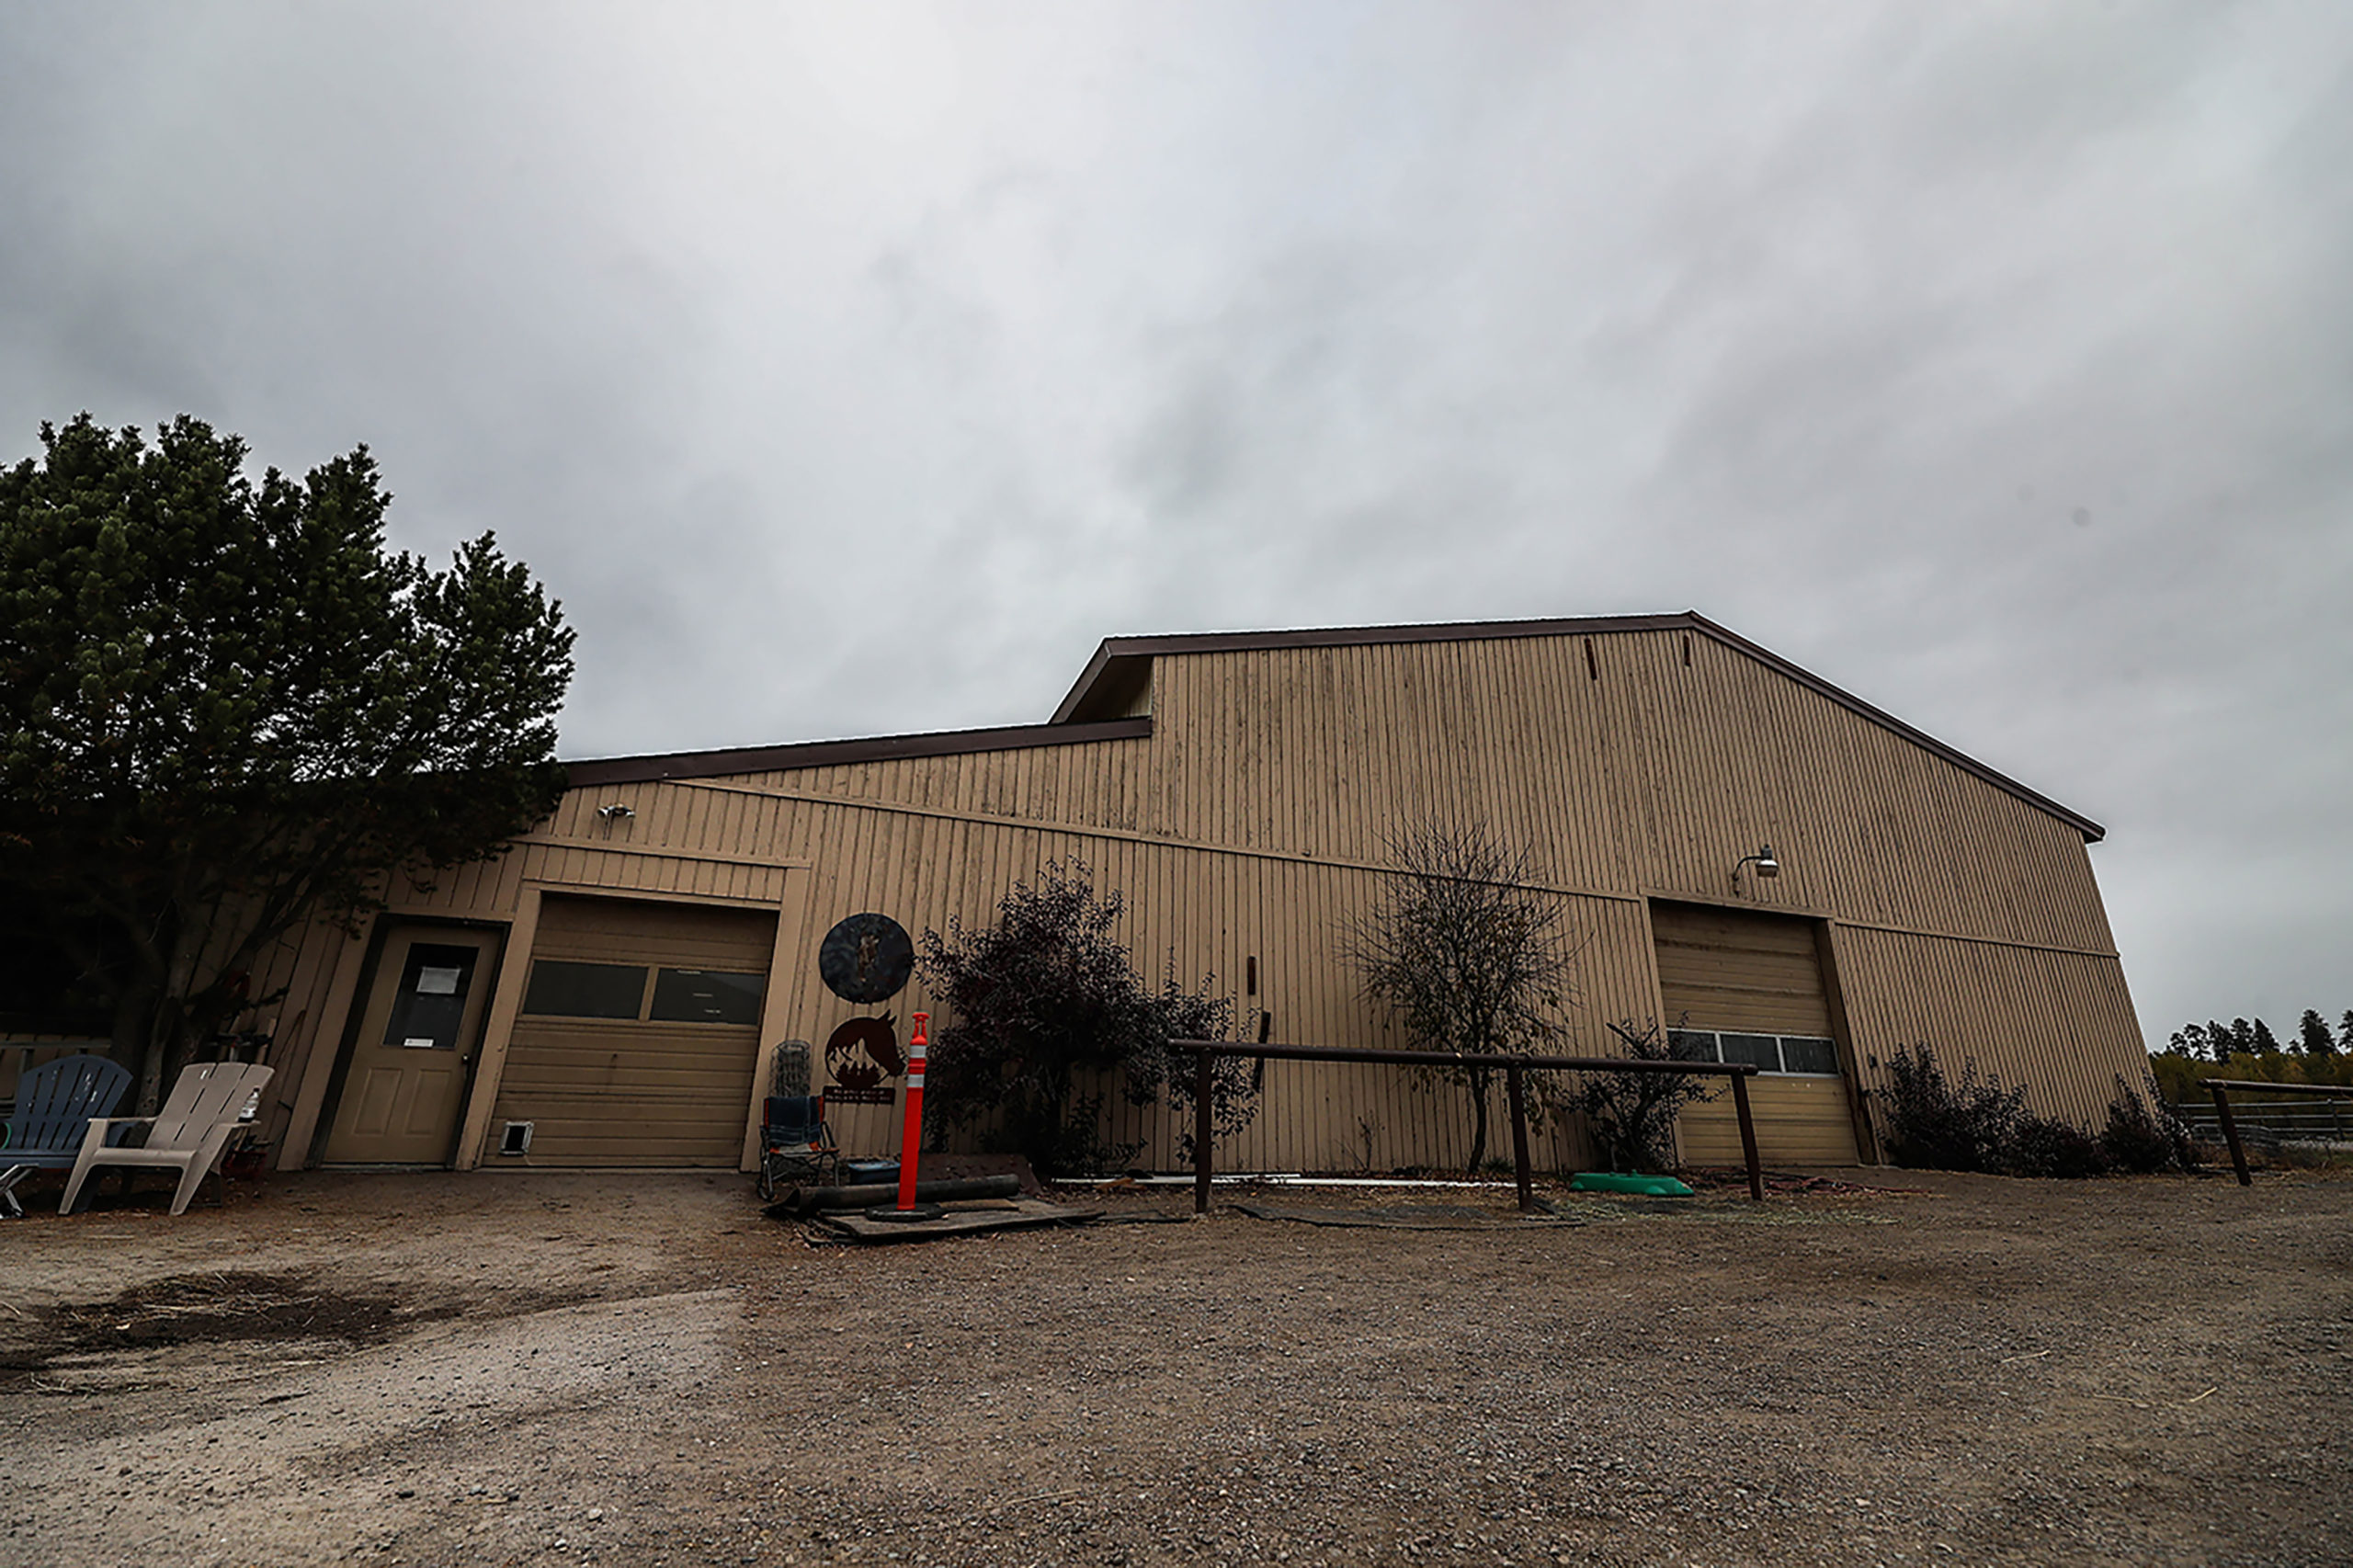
(2231, 1119)
(2272, 1124)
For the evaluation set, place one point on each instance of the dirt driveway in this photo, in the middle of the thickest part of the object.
(644, 1369)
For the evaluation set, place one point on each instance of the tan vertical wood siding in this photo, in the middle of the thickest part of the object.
(2059, 1023)
(1258, 818)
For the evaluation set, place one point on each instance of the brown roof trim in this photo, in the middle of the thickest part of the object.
(827, 754)
(1114, 650)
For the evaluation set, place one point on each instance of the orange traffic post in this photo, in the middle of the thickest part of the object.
(911, 1136)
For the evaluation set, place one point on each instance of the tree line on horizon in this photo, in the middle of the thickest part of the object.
(2246, 1048)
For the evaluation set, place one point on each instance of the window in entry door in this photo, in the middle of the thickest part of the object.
(432, 1000)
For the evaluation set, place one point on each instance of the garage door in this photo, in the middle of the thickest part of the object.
(639, 1035)
(1744, 986)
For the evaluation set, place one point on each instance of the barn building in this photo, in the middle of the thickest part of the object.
(605, 993)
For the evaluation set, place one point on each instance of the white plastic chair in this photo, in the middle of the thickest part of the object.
(191, 1133)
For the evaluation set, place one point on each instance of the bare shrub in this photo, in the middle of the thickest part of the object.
(2050, 1146)
(2144, 1136)
(1467, 955)
(1936, 1123)
(1631, 1116)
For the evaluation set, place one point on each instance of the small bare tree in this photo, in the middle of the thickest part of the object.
(1464, 953)
(1631, 1114)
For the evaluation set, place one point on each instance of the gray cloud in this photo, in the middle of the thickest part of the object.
(852, 370)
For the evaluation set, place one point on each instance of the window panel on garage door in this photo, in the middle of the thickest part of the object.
(705, 996)
(562, 988)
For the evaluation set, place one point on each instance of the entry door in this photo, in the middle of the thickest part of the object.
(405, 1084)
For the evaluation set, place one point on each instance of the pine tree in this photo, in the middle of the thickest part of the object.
(226, 710)
(2315, 1039)
(2218, 1038)
(2262, 1042)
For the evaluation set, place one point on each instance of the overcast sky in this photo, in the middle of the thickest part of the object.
(854, 368)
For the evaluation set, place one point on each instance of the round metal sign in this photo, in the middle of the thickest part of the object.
(866, 958)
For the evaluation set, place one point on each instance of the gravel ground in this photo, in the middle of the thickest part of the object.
(430, 1369)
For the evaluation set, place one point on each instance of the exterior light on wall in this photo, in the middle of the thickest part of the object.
(1766, 865)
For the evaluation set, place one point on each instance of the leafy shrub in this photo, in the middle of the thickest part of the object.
(1074, 1148)
(2143, 1135)
(1234, 1082)
(1044, 1000)
(2047, 1146)
(1936, 1124)
(1631, 1114)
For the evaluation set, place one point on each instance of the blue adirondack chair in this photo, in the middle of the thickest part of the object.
(54, 1104)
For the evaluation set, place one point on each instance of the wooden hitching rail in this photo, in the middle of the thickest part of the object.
(1204, 1050)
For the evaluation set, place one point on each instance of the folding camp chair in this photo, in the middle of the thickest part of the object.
(795, 1142)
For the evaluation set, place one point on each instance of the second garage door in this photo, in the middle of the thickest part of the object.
(639, 1035)
(1740, 985)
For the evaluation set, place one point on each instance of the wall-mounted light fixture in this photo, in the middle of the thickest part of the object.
(616, 812)
(1766, 865)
